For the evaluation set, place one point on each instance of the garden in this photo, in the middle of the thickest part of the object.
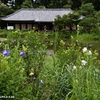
(28, 72)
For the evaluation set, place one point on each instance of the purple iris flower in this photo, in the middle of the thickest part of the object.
(41, 82)
(6, 52)
(34, 78)
(22, 53)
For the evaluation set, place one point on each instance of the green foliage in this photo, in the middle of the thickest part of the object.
(98, 16)
(88, 24)
(87, 10)
(73, 4)
(90, 40)
(4, 33)
(69, 20)
(81, 67)
(18, 3)
(18, 71)
(71, 73)
(13, 74)
(90, 21)
(4, 10)
(60, 4)
(65, 34)
(27, 4)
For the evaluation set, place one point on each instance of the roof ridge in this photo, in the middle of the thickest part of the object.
(44, 9)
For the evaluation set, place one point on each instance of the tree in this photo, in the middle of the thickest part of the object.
(71, 19)
(4, 1)
(96, 3)
(87, 10)
(88, 24)
(27, 4)
(67, 20)
(11, 4)
(89, 21)
(4, 10)
(45, 3)
(76, 4)
(18, 3)
(58, 22)
(60, 3)
(98, 16)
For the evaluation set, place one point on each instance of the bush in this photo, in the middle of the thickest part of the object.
(65, 34)
(20, 64)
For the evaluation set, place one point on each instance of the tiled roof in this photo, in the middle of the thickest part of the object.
(37, 15)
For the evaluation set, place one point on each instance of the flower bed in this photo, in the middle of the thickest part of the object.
(28, 72)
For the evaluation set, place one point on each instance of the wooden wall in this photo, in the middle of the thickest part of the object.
(39, 26)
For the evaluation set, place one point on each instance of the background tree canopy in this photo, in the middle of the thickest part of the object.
(73, 4)
(89, 21)
(5, 10)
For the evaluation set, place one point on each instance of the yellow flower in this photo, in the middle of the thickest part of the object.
(31, 74)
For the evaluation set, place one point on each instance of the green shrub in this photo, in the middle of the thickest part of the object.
(20, 64)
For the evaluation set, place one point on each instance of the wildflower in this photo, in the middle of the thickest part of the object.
(89, 52)
(84, 49)
(6, 53)
(74, 67)
(34, 78)
(83, 62)
(22, 53)
(41, 82)
(31, 74)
